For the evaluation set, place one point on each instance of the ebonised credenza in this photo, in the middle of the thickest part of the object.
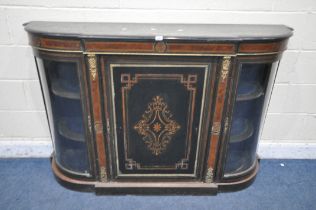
(156, 108)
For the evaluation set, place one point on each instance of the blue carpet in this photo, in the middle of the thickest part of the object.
(29, 184)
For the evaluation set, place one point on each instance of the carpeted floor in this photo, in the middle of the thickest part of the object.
(281, 184)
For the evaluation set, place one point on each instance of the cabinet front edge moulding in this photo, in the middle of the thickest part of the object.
(157, 47)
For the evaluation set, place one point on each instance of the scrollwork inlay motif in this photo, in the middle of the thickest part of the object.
(157, 126)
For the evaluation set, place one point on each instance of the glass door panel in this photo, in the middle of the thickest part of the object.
(64, 107)
(246, 124)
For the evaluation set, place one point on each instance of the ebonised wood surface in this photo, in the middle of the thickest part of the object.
(155, 96)
(152, 31)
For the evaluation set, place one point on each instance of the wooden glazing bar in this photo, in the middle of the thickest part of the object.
(217, 119)
(97, 116)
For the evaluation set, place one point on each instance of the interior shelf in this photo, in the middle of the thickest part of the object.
(71, 128)
(242, 129)
(240, 162)
(64, 90)
(74, 159)
(249, 91)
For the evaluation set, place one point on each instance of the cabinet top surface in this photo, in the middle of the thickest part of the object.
(155, 31)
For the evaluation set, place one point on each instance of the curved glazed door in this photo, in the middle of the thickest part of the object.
(63, 83)
(252, 93)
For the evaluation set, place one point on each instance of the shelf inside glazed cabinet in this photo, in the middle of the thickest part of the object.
(242, 129)
(63, 89)
(249, 91)
(71, 128)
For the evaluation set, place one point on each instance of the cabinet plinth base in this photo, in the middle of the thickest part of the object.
(176, 188)
(241, 182)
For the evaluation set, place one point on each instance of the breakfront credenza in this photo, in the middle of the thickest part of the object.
(156, 108)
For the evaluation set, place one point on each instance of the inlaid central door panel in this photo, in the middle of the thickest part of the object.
(158, 115)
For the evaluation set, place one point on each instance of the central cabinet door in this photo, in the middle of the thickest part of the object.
(155, 109)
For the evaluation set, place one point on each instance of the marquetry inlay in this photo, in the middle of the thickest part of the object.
(157, 126)
(92, 61)
(225, 67)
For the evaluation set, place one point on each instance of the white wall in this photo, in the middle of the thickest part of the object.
(290, 129)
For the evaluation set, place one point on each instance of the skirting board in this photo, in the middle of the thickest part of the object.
(271, 150)
(267, 150)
